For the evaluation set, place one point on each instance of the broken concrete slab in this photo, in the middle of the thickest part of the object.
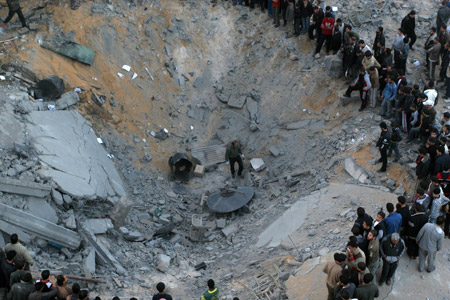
(89, 262)
(237, 102)
(257, 164)
(40, 227)
(102, 252)
(40, 208)
(334, 65)
(98, 226)
(252, 108)
(21, 187)
(67, 99)
(71, 156)
(355, 170)
(306, 124)
(230, 229)
(288, 223)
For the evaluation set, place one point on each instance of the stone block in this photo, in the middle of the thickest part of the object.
(257, 164)
(163, 263)
(67, 99)
(199, 171)
(230, 229)
(355, 170)
(237, 102)
(221, 223)
(57, 197)
(274, 151)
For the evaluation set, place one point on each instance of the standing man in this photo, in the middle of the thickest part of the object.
(307, 11)
(409, 25)
(233, 154)
(383, 145)
(393, 222)
(391, 249)
(379, 38)
(434, 53)
(333, 269)
(276, 12)
(388, 96)
(430, 239)
(443, 15)
(326, 34)
(373, 252)
(397, 46)
(21, 252)
(161, 293)
(14, 7)
(368, 290)
(417, 220)
(315, 30)
(212, 293)
(354, 255)
(438, 201)
(375, 82)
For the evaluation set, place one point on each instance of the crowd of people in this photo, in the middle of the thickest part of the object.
(17, 282)
(377, 243)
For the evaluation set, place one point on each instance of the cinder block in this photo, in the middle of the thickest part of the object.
(199, 171)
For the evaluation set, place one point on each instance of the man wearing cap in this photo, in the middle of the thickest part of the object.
(409, 25)
(391, 249)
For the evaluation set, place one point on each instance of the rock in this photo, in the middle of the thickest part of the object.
(324, 251)
(284, 276)
(57, 197)
(344, 212)
(400, 190)
(70, 222)
(294, 57)
(41, 243)
(355, 170)
(134, 236)
(221, 223)
(171, 194)
(98, 226)
(40, 208)
(312, 232)
(274, 151)
(67, 99)
(336, 231)
(163, 263)
(334, 65)
(237, 102)
(67, 199)
(257, 164)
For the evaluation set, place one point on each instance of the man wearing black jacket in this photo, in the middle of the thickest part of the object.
(379, 37)
(416, 221)
(314, 30)
(383, 145)
(422, 165)
(307, 11)
(409, 25)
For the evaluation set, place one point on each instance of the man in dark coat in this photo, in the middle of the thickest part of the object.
(379, 37)
(383, 145)
(416, 221)
(409, 25)
(14, 7)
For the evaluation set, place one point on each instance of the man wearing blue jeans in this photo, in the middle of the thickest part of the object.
(389, 93)
(306, 13)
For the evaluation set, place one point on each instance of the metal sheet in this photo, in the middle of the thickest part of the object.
(231, 199)
(70, 49)
(209, 155)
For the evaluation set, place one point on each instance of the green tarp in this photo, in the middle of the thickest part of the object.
(70, 49)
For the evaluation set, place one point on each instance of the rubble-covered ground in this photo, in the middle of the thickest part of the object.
(208, 75)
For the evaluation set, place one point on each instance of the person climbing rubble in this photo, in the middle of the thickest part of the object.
(234, 155)
(14, 8)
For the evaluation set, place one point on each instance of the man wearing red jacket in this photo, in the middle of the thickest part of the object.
(276, 12)
(327, 27)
